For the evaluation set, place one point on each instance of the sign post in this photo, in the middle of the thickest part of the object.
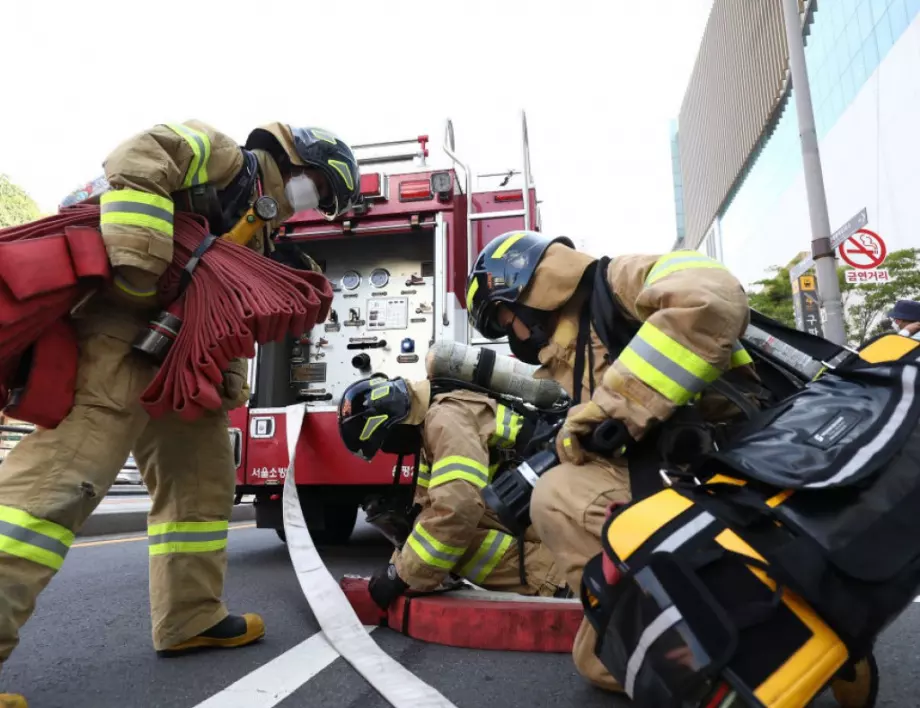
(805, 303)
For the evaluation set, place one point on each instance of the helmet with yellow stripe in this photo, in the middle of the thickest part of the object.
(369, 410)
(501, 273)
(315, 148)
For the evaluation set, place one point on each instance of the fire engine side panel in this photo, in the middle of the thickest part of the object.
(382, 317)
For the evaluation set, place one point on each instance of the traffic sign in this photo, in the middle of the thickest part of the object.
(856, 222)
(864, 250)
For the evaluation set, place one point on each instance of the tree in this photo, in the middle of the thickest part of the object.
(865, 304)
(16, 207)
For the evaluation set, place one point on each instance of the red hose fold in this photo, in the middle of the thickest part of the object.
(235, 300)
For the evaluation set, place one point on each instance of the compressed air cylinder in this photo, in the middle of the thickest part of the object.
(509, 376)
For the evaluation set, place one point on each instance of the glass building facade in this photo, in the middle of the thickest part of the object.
(845, 44)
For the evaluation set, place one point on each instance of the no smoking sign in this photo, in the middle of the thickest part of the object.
(864, 250)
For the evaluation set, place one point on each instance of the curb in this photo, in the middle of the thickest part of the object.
(136, 521)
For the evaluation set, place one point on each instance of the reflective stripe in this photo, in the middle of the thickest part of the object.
(666, 365)
(187, 537)
(471, 293)
(201, 154)
(507, 426)
(487, 556)
(123, 284)
(740, 356)
(424, 476)
(455, 467)
(131, 207)
(432, 551)
(507, 244)
(33, 539)
(371, 425)
(680, 260)
(343, 170)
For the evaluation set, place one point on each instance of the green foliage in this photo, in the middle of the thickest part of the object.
(16, 207)
(865, 304)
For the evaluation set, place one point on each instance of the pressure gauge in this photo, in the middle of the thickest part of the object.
(351, 280)
(380, 277)
(265, 208)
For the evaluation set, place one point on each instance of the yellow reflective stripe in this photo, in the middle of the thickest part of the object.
(372, 423)
(424, 476)
(123, 284)
(33, 539)
(432, 551)
(449, 469)
(187, 537)
(474, 286)
(487, 556)
(667, 366)
(507, 426)
(740, 356)
(380, 391)
(508, 243)
(200, 144)
(680, 260)
(343, 170)
(131, 207)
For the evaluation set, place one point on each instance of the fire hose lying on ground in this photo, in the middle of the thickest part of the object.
(235, 300)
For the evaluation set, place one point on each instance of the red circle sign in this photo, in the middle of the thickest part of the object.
(864, 250)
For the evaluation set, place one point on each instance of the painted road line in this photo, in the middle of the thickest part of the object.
(131, 539)
(271, 683)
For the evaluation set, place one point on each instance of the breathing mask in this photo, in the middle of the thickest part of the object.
(301, 192)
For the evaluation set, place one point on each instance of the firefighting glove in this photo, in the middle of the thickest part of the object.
(385, 586)
(235, 386)
(580, 422)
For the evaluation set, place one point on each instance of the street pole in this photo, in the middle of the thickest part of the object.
(823, 254)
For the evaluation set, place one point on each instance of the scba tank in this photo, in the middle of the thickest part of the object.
(496, 372)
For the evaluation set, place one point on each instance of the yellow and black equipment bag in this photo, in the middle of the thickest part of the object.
(769, 569)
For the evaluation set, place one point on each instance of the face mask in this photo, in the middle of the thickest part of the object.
(301, 193)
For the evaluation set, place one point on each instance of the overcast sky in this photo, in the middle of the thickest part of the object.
(599, 81)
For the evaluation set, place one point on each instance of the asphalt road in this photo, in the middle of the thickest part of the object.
(88, 645)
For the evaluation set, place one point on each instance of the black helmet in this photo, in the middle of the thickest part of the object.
(501, 272)
(369, 410)
(317, 148)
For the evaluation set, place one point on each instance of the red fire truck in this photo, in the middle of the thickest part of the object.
(398, 264)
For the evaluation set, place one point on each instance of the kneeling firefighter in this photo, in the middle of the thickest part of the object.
(461, 438)
(53, 480)
(648, 347)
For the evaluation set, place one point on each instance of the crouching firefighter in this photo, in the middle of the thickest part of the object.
(649, 348)
(54, 478)
(460, 438)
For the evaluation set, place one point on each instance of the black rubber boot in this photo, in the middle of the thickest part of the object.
(231, 632)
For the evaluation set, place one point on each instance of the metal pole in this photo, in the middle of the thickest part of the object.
(823, 254)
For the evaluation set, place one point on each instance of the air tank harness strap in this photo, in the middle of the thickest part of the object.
(521, 569)
(185, 278)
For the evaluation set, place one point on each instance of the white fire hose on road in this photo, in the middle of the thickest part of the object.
(335, 615)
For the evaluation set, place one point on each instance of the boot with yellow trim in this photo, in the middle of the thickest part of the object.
(12, 700)
(857, 686)
(231, 632)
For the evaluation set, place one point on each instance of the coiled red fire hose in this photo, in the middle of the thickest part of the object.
(235, 300)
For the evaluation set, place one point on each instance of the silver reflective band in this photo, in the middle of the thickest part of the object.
(659, 626)
(528, 473)
(33, 538)
(440, 555)
(487, 556)
(668, 367)
(458, 467)
(187, 537)
(685, 533)
(138, 208)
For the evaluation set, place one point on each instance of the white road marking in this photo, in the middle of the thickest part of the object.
(271, 683)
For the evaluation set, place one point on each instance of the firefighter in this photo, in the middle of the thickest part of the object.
(632, 339)
(461, 434)
(53, 480)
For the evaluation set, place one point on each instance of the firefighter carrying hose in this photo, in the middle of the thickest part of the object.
(463, 436)
(632, 340)
(54, 479)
